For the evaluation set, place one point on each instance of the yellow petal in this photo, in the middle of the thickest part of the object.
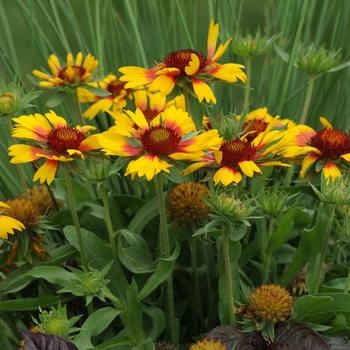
(203, 91)
(330, 170)
(248, 167)
(308, 160)
(193, 65)
(226, 176)
(46, 172)
(325, 123)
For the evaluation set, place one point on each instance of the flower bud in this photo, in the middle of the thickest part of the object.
(315, 61)
(272, 201)
(55, 321)
(250, 46)
(99, 170)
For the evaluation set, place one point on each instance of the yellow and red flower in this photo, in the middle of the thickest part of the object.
(327, 149)
(238, 157)
(75, 73)
(30, 240)
(187, 67)
(115, 101)
(258, 120)
(50, 138)
(8, 224)
(154, 145)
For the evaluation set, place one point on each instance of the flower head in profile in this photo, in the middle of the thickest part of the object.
(27, 238)
(327, 150)
(8, 224)
(115, 101)
(237, 157)
(187, 67)
(13, 99)
(73, 74)
(154, 146)
(49, 137)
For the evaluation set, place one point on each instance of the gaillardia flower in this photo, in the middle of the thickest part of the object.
(8, 224)
(116, 100)
(239, 156)
(208, 344)
(41, 197)
(327, 149)
(30, 239)
(187, 67)
(258, 120)
(271, 302)
(186, 203)
(74, 74)
(153, 146)
(50, 138)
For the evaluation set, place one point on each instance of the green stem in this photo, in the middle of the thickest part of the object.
(109, 222)
(80, 113)
(193, 245)
(247, 90)
(19, 166)
(165, 250)
(307, 99)
(269, 233)
(75, 215)
(4, 338)
(114, 300)
(187, 98)
(324, 248)
(339, 318)
(226, 252)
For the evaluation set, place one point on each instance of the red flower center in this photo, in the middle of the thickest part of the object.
(181, 59)
(331, 142)
(258, 126)
(150, 114)
(236, 151)
(69, 77)
(64, 138)
(115, 87)
(159, 140)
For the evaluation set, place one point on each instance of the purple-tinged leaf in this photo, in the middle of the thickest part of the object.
(40, 341)
(297, 336)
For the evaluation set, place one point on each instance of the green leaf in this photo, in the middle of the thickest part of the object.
(337, 68)
(157, 325)
(80, 191)
(95, 324)
(97, 91)
(308, 305)
(164, 270)
(310, 245)
(18, 279)
(144, 216)
(56, 99)
(53, 274)
(283, 231)
(134, 313)
(118, 342)
(43, 300)
(98, 255)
